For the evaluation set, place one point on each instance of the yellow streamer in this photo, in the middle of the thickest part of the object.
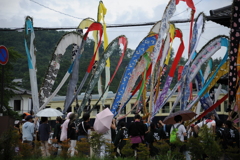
(172, 35)
(86, 23)
(102, 10)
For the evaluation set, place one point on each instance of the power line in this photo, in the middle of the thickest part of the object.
(56, 10)
(108, 26)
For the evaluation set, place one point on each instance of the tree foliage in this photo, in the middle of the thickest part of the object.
(7, 76)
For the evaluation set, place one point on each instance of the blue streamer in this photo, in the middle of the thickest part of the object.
(141, 49)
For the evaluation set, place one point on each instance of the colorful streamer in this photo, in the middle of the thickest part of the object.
(45, 94)
(170, 75)
(210, 79)
(141, 49)
(94, 26)
(109, 51)
(102, 10)
(32, 62)
(195, 39)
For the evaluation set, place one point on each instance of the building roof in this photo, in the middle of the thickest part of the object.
(221, 16)
(21, 91)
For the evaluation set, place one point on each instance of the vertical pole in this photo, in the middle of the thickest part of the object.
(1, 109)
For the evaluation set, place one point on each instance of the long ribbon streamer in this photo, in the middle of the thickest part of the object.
(54, 66)
(141, 49)
(101, 65)
(208, 82)
(171, 74)
(32, 62)
(94, 26)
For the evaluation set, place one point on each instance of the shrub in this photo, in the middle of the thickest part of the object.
(110, 151)
(83, 148)
(196, 150)
(9, 140)
(143, 152)
(232, 152)
(64, 154)
(96, 140)
(204, 146)
(127, 150)
(169, 151)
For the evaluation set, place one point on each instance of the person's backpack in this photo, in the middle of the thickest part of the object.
(174, 134)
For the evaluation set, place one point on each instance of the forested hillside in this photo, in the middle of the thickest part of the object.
(45, 42)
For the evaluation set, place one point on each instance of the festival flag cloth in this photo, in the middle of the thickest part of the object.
(143, 65)
(186, 86)
(141, 49)
(102, 10)
(223, 42)
(205, 53)
(109, 51)
(195, 39)
(31, 62)
(70, 98)
(45, 94)
(171, 73)
(168, 13)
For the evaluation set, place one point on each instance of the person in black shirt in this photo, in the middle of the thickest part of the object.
(231, 134)
(44, 132)
(84, 127)
(121, 137)
(152, 137)
(57, 129)
(136, 132)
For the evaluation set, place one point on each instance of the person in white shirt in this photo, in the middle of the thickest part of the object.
(181, 133)
(210, 122)
(28, 130)
(181, 129)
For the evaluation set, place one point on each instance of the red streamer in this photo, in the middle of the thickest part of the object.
(94, 27)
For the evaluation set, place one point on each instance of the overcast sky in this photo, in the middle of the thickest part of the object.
(45, 13)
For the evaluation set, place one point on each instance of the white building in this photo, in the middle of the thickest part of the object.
(21, 102)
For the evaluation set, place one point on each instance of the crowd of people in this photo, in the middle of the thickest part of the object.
(138, 131)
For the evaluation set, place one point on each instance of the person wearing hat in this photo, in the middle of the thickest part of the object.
(28, 130)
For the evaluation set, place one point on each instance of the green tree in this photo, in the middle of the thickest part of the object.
(7, 76)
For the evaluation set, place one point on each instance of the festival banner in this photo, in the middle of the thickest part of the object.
(108, 52)
(31, 62)
(140, 50)
(167, 84)
(142, 66)
(94, 26)
(199, 24)
(45, 94)
(200, 93)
